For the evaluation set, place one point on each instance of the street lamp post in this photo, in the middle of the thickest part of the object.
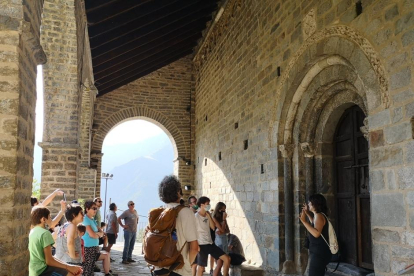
(106, 176)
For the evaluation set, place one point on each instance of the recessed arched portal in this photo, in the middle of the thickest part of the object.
(333, 71)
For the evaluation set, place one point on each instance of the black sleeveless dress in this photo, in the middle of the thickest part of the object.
(320, 253)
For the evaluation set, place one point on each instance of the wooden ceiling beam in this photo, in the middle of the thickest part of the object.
(120, 21)
(121, 75)
(161, 42)
(146, 59)
(148, 24)
(103, 55)
(111, 9)
(106, 89)
(91, 5)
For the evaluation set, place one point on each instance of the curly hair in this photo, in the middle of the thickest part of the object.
(37, 214)
(169, 188)
(72, 212)
(319, 203)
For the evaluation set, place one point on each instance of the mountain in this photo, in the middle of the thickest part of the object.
(137, 180)
(117, 155)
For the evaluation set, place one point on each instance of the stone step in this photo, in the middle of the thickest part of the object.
(246, 270)
(347, 269)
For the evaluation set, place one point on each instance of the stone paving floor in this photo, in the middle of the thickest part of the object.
(139, 268)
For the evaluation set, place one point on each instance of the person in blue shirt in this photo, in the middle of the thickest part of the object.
(91, 241)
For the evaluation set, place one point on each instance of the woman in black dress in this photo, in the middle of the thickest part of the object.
(320, 253)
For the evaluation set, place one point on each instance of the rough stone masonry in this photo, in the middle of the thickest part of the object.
(255, 108)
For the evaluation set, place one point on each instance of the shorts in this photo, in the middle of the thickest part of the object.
(208, 249)
(54, 271)
(101, 241)
(111, 238)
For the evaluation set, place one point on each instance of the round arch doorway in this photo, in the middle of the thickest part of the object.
(352, 189)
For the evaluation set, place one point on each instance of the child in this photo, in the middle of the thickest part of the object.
(81, 232)
(104, 239)
(40, 247)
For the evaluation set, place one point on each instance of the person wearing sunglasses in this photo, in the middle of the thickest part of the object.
(98, 202)
(91, 241)
(130, 218)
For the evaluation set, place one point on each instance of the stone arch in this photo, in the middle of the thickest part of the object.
(177, 139)
(340, 45)
(333, 69)
(181, 150)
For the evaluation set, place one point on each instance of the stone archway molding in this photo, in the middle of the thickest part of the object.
(162, 121)
(341, 31)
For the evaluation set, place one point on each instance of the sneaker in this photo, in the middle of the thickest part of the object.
(125, 262)
(96, 269)
(131, 261)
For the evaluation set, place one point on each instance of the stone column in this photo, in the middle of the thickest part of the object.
(20, 53)
(309, 153)
(88, 162)
(61, 99)
(287, 153)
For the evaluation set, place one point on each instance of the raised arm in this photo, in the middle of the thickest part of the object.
(50, 197)
(318, 221)
(59, 216)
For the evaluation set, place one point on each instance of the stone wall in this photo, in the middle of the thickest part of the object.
(20, 52)
(63, 36)
(162, 97)
(259, 71)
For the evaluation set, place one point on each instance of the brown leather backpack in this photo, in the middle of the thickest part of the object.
(159, 246)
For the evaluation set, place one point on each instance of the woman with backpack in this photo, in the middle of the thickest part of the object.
(320, 253)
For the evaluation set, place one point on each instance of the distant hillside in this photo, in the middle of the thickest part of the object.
(138, 180)
(120, 154)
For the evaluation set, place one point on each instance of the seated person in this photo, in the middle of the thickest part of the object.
(104, 239)
(42, 263)
(236, 251)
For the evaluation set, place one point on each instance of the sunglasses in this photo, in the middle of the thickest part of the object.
(132, 204)
(94, 208)
(100, 201)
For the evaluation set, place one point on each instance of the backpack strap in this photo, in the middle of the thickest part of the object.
(327, 221)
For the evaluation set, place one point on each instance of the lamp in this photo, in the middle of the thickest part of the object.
(182, 158)
(106, 176)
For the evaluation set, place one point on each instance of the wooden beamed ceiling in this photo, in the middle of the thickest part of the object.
(132, 38)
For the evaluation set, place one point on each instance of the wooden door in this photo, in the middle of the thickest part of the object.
(352, 189)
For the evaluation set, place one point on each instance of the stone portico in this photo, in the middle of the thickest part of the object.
(255, 112)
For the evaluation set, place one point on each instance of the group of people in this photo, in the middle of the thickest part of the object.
(76, 242)
(200, 232)
(204, 230)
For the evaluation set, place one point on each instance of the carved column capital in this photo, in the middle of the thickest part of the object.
(33, 43)
(287, 150)
(365, 129)
(307, 149)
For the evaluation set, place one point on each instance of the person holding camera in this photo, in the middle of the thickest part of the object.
(320, 253)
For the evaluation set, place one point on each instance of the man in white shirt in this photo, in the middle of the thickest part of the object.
(170, 192)
(204, 224)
